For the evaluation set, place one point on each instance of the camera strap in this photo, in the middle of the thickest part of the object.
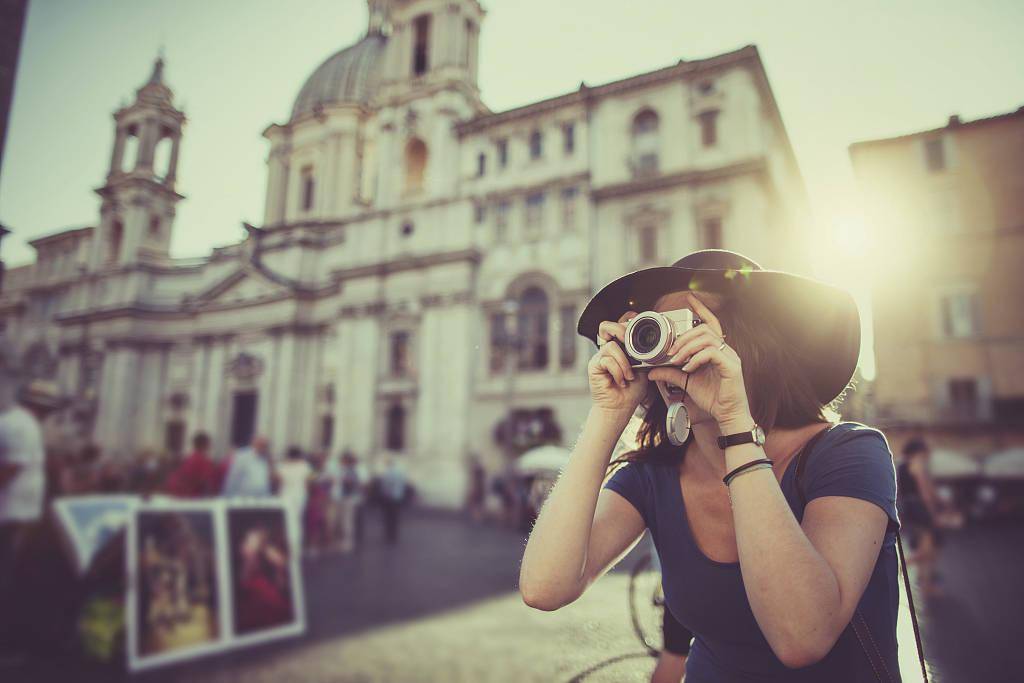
(859, 624)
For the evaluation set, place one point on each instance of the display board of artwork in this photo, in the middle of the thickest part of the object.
(208, 576)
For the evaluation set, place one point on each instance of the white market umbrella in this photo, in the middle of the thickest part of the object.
(947, 464)
(1007, 464)
(542, 459)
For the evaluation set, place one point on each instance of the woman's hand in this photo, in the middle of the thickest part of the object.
(716, 376)
(614, 385)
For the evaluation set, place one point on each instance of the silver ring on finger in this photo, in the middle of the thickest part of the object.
(722, 345)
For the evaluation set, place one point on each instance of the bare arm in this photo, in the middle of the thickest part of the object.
(826, 564)
(582, 529)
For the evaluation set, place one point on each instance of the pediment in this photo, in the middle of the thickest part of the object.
(246, 285)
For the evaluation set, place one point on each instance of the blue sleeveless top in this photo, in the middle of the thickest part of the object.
(708, 597)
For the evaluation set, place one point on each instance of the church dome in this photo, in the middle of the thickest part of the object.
(349, 76)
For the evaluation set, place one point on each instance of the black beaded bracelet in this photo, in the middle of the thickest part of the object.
(743, 468)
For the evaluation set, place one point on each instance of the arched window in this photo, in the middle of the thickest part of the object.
(533, 329)
(645, 143)
(130, 151)
(421, 45)
(415, 165)
(394, 437)
(162, 157)
(536, 144)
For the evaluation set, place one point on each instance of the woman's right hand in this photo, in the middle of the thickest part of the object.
(614, 385)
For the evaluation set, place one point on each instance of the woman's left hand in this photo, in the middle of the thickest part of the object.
(716, 375)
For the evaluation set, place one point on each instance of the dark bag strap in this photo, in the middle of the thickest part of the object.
(858, 624)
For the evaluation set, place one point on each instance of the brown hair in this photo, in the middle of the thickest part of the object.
(779, 392)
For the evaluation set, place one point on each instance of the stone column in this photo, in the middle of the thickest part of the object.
(117, 158)
(220, 430)
(172, 165)
(282, 434)
(212, 381)
(277, 177)
(147, 143)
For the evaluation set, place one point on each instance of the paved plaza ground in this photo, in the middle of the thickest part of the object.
(442, 606)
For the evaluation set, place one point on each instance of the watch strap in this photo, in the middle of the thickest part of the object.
(727, 440)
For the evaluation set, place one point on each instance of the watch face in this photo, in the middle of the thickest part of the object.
(758, 435)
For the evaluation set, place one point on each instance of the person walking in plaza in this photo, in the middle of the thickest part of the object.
(348, 497)
(295, 475)
(393, 490)
(775, 522)
(250, 472)
(476, 493)
(318, 506)
(22, 490)
(920, 513)
(198, 476)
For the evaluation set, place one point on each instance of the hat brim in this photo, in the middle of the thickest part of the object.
(821, 321)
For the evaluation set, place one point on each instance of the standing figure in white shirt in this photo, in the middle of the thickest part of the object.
(22, 485)
(295, 474)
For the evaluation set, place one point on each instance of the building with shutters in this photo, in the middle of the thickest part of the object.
(948, 207)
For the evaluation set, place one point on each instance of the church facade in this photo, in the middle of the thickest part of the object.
(414, 288)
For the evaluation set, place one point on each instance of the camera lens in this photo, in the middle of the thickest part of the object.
(646, 336)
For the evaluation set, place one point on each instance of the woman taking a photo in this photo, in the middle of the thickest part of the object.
(781, 575)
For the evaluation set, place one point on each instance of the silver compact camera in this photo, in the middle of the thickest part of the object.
(650, 334)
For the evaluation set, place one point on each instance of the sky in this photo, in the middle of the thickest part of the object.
(840, 72)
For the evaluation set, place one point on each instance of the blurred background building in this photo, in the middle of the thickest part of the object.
(947, 207)
(416, 282)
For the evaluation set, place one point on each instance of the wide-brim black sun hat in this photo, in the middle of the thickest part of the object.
(820, 320)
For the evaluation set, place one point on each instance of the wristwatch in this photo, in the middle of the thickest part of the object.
(754, 436)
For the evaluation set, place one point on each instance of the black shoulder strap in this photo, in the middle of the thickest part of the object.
(858, 623)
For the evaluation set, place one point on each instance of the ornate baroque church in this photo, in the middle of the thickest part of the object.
(415, 284)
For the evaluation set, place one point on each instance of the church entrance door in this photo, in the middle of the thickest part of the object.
(243, 418)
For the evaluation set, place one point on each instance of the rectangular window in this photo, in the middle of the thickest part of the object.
(1009, 411)
(308, 188)
(963, 397)
(711, 233)
(399, 353)
(534, 212)
(481, 165)
(708, 128)
(567, 336)
(959, 314)
(326, 432)
(536, 145)
(421, 45)
(502, 146)
(935, 155)
(499, 343)
(569, 138)
(501, 221)
(648, 237)
(569, 200)
(479, 213)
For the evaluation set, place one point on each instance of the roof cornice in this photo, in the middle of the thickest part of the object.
(585, 93)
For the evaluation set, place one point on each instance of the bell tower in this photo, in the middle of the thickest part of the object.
(138, 198)
(431, 44)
